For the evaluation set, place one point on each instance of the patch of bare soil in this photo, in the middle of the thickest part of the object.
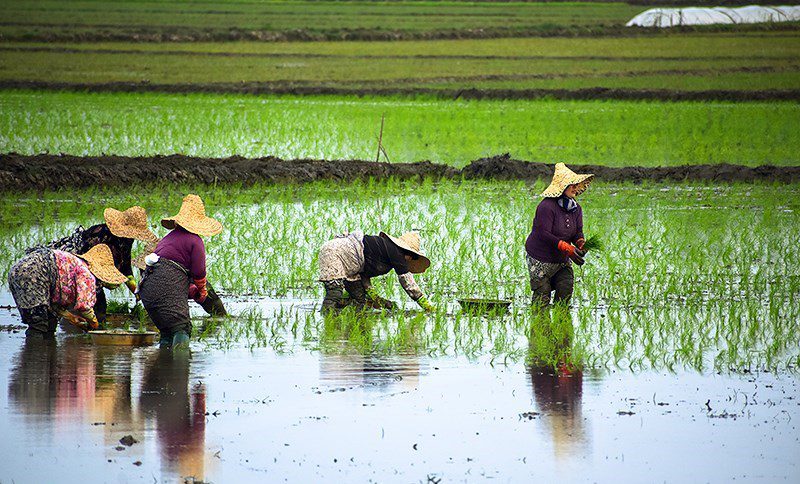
(25, 172)
(303, 89)
(86, 32)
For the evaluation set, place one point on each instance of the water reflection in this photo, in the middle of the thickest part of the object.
(348, 357)
(34, 377)
(178, 412)
(66, 384)
(557, 382)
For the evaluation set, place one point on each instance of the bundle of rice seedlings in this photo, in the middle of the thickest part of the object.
(593, 242)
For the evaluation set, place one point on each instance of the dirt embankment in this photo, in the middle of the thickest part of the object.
(503, 167)
(23, 172)
(291, 88)
(92, 32)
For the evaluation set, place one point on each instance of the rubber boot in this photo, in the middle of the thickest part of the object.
(166, 339)
(41, 322)
(358, 297)
(334, 291)
(180, 339)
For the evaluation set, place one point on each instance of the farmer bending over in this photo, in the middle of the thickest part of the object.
(118, 233)
(178, 262)
(349, 261)
(47, 284)
(557, 237)
(212, 304)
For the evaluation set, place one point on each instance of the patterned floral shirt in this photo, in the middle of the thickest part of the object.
(76, 287)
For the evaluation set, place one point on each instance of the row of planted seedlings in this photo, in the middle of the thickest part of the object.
(689, 276)
(616, 133)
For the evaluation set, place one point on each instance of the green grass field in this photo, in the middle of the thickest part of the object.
(324, 19)
(745, 62)
(613, 133)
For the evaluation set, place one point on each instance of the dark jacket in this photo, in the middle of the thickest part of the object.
(550, 225)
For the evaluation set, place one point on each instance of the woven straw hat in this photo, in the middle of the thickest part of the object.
(192, 217)
(410, 241)
(130, 224)
(101, 263)
(564, 177)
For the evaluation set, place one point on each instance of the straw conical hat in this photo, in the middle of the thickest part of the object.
(192, 217)
(410, 241)
(564, 177)
(131, 224)
(101, 263)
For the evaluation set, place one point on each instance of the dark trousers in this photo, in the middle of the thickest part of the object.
(40, 320)
(562, 282)
(164, 293)
(334, 294)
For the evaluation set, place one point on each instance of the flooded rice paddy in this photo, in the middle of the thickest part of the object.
(243, 414)
(677, 362)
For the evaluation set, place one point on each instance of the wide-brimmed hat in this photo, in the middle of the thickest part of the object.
(101, 263)
(410, 241)
(192, 217)
(564, 177)
(130, 224)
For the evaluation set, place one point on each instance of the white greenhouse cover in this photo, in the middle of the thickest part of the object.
(753, 14)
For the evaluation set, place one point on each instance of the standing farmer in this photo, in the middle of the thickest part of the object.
(47, 284)
(556, 238)
(118, 233)
(349, 261)
(178, 261)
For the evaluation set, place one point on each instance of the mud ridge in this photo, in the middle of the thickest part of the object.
(302, 89)
(306, 55)
(46, 171)
(114, 33)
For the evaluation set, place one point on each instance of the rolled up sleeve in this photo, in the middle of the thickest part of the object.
(85, 289)
(410, 286)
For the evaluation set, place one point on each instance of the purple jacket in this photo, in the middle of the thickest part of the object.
(551, 224)
(185, 248)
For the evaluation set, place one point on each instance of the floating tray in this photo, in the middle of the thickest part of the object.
(123, 338)
(484, 306)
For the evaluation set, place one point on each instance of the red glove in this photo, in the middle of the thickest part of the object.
(567, 248)
(572, 252)
(202, 291)
(580, 242)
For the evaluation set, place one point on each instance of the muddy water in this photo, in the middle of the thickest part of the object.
(239, 415)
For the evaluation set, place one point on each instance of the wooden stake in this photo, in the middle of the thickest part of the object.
(380, 139)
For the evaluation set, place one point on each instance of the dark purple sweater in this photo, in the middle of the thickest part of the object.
(551, 224)
(185, 248)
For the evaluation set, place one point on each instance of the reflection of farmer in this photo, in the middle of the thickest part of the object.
(118, 233)
(33, 379)
(179, 261)
(556, 237)
(349, 261)
(558, 395)
(180, 415)
(556, 381)
(49, 283)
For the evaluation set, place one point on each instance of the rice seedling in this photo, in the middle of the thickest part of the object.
(659, 294)
(593, 243)
(633, 133)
